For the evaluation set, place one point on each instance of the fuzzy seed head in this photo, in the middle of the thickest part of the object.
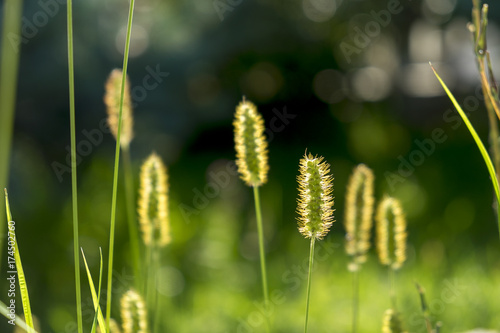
(112, 100)
(250, 144)
(153, 202)
(392, 322)
(315, 202)
(133, 312)
(359, 214)
(391, 233)
(113, 327)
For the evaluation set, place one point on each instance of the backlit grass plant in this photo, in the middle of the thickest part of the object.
(358, 224)
(314, 207)
(251, 159)
(155, 223)
(391, 239)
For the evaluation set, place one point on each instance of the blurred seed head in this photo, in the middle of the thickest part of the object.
(134, 313)
(391, 233)
(315, 202)
(392, 322)
(359, 214)
(112, 100)
(250, 144)
(153, 202)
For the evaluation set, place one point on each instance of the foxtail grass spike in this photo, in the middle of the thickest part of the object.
(153, 202)
(315, 202)
(112, 101)
(134, 313)
(359, 214)
(392, 322)
(315, 208)
(250, 144)
(391, 221)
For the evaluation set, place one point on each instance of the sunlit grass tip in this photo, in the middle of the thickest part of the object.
(392, 322)
(112, 100)
(134, 313)
(391, 233)
(250, 144)
(359, 214)
(315, 201)
(153, 202)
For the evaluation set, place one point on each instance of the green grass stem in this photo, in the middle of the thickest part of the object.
(117, 161)
(260, 230)
(74, 198)
(262, 253)
(311, 263)
(355, 300)
(9, 65)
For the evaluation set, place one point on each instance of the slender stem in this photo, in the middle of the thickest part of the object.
(311, 262)
(117, 161)
(261, 244)
(392, 288)
(12, 12)
(131, 217)
(76, 246)
(355, 300)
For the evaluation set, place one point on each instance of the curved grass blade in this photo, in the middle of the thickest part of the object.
(95, 297)
(23, 287)
(478, 141)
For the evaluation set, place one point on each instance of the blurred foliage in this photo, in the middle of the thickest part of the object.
(381, 109)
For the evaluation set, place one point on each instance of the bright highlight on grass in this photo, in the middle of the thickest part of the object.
(314, 206)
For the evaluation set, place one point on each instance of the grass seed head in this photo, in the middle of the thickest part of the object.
(250, 144)
(112, 100)
(359, 214)
(391, 237)
(315, 202)
(134, 313)
(153, 202)
(392, 322)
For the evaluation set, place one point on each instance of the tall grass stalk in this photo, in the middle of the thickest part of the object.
(314, 206)
(9, 64)
(258, 215)
(74, 198)
(309, 278)
(116, 168)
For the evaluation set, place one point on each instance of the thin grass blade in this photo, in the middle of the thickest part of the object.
(478, 141)
(23, 287)
(95, 297)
